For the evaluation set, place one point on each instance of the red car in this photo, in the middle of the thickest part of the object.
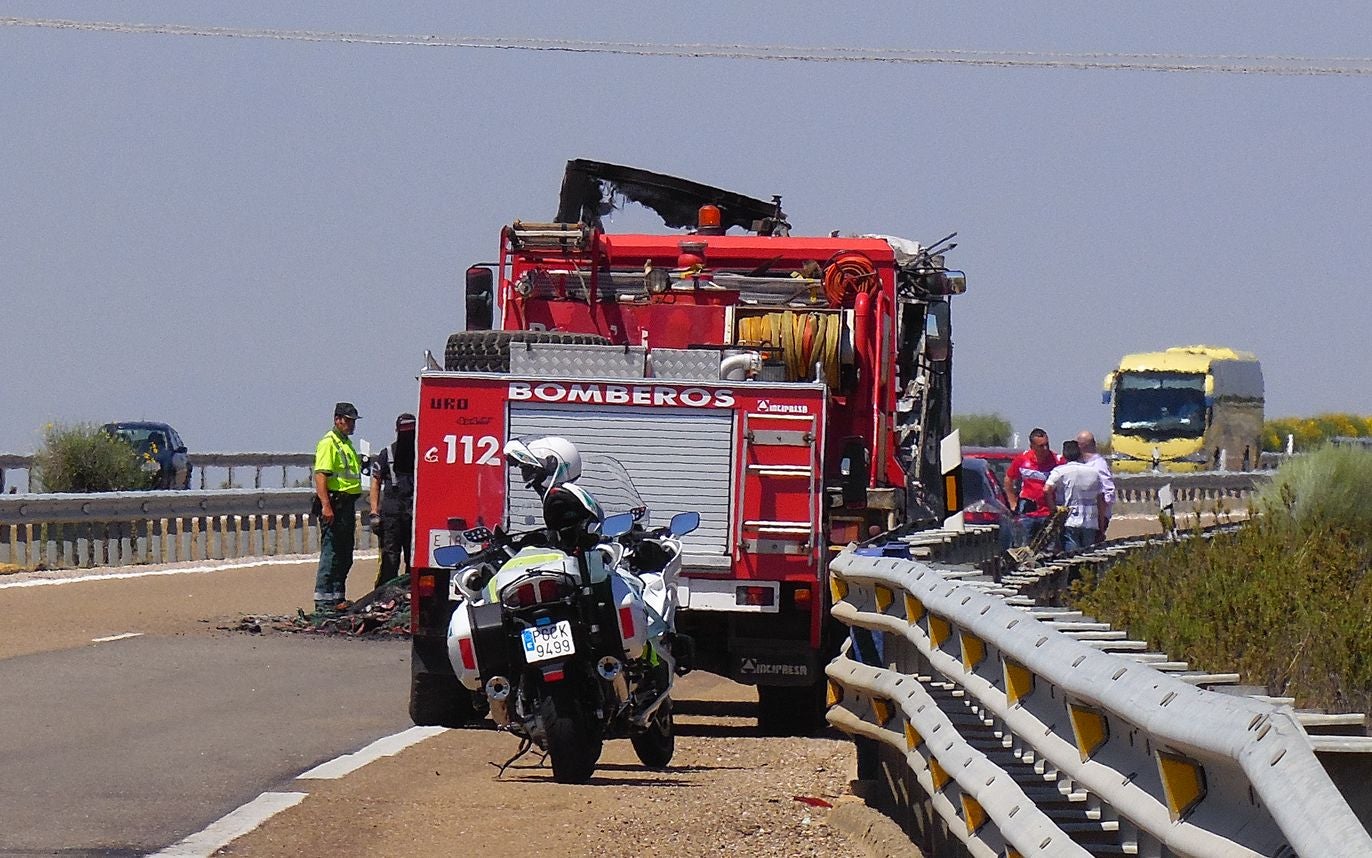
(999, 458)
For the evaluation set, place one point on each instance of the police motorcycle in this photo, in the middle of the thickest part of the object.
(567, 630)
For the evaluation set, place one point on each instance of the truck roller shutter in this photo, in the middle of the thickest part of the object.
(680, 459)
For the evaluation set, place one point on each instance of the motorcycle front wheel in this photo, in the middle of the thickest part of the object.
(573, 741)
(655, 745)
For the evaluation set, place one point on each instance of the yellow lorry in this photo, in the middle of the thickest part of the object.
(1188, 408)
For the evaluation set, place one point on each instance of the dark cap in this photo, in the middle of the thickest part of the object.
(345, 409)
(405, 421)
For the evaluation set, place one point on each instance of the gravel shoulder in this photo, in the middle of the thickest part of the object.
(727, 792)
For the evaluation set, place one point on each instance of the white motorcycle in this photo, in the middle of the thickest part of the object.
(566, 630)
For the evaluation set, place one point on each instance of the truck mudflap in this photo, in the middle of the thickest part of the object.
(767, 662)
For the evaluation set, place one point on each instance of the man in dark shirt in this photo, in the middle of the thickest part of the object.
(392, 500)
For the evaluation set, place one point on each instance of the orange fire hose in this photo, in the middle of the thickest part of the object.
(847, 275)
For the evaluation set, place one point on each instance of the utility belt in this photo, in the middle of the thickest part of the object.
(336, 500)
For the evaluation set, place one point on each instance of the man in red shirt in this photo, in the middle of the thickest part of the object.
(1024, 481)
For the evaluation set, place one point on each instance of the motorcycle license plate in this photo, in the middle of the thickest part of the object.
(544, 642)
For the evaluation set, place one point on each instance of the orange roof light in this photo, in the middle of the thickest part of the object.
(708, 217)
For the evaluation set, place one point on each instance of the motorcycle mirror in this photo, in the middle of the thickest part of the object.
(617, 525)
(450, 555)
(683, 523)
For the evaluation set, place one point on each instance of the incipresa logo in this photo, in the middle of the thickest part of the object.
(766, 406)
(621, 394)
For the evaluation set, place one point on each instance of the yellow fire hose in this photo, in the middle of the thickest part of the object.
(804, 340)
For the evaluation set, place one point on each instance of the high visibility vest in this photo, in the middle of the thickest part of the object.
(334, 455)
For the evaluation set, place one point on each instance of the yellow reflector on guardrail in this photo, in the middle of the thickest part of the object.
(972, 813)
(1019, 681)
(939, 630)
(912, 737)
(973, 650)
(1183, 783)
(834, 696)
(1089, 727)
(838, 588)
(938, 774)
(914, 609)
(882, 710)
(884, 598)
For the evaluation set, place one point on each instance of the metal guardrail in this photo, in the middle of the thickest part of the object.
(201, 463)
(120, 528)
(1030, 737)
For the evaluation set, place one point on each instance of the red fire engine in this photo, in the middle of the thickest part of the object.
(791, 390)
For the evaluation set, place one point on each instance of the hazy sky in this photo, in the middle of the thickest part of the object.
(230, 234)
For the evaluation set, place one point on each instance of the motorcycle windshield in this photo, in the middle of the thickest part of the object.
(602, 476)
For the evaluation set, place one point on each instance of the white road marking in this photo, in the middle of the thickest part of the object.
(183, 570)
(232, 826)
(235, 824)
(383, 747)
(124, 636)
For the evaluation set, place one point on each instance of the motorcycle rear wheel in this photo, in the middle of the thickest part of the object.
(656, 745)
(573, 742)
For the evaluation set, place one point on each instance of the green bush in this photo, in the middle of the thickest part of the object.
(84, 458)
(983, 430)
(1286, 601)
(1329, 488)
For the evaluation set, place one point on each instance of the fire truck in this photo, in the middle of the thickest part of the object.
(792, 390)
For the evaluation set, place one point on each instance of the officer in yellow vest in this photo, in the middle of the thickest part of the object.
(337, 486)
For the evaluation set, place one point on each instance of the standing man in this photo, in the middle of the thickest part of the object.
(1024, 486)
(1087, 442)
(1078, 485)
(337, 486)
(391, 499)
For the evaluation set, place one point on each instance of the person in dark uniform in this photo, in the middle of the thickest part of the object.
(337, 486)
(392, 500)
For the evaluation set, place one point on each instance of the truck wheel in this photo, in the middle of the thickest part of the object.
(489, 351)
(439, 700)
(573, 742)
(791, 710)
(655, 745)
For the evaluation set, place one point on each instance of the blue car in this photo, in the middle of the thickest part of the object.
(161, 448)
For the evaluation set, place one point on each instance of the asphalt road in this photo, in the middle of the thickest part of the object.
(116, 745)
(125, 746)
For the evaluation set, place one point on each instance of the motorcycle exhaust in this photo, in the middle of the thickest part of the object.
(497, 694)
(612, 671)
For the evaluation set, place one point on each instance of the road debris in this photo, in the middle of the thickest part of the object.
(382, 613)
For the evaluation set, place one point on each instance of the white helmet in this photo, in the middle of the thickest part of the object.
(559, 456)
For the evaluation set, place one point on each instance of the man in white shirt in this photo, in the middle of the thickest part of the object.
(1087, 442)
(1079, 487)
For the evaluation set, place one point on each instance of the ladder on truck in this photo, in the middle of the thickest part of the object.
(768, 453)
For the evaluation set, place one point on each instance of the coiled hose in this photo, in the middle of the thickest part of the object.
(846, 276)
(804, 339)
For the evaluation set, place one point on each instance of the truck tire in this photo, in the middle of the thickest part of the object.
(439, 700)
(489, 351)
(791, 710)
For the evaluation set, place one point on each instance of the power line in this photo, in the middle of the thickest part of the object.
(1252, 64)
